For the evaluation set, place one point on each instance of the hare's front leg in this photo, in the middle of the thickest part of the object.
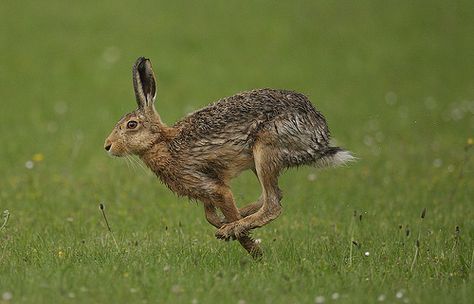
(268, 168)
(212, 217)
(225, 202)
(217, 221)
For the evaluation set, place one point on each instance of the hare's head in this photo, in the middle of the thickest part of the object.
(137, 131)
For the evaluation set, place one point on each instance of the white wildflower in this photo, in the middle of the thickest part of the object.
(7, 296)
(29, 165)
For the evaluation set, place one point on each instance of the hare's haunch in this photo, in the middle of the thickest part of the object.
(263, 130)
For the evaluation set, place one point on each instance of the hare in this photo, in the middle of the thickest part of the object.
(264, 130)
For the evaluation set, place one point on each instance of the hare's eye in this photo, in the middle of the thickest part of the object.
(132, 124)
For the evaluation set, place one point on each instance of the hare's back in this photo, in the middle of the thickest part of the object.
(238, 119)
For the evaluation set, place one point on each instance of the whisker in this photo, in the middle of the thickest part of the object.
(132, 164)
(129, 163)
(140, 164)
(126, 161)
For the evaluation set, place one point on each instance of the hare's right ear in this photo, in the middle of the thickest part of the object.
(144, 83)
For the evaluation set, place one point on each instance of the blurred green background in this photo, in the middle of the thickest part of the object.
(395, 80)
(349, 57)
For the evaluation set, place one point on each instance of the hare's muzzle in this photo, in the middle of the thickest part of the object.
(107, 145)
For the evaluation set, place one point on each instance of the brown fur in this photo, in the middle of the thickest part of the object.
(265, 130)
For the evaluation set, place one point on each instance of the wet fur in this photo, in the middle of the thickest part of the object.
(213, 145)
(265, 130)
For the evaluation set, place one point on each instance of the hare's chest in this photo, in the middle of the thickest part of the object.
(181, 181)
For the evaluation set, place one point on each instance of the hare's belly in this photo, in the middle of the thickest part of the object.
(217, 161)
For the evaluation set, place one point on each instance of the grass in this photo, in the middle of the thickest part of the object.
(394, 79)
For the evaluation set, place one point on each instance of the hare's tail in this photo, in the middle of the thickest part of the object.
(334, 157)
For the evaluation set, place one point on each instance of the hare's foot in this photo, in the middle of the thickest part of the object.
(237, 229)
(232, 231)
(228, 232)
(251, 246)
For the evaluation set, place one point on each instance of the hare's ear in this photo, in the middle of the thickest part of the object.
(144, 82)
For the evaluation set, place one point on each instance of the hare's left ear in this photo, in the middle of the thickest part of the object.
(144, 83)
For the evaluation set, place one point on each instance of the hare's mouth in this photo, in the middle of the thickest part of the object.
(113, 151)
(113, 154)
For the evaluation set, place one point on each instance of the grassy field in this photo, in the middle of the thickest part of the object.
(395, 80)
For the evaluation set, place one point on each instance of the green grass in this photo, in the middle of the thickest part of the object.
(394, 79)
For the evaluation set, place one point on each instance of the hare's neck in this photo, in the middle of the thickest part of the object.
(157, 158)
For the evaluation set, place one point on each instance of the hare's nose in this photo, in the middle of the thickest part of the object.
(107, 147)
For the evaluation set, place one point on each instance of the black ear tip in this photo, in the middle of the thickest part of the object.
(142, 59)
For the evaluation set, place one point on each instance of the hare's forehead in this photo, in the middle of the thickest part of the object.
(132, 115)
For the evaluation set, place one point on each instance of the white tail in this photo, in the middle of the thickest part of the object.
(335, 159)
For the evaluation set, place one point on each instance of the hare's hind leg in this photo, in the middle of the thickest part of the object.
(217, 221)
(267, 165)
(251, 208)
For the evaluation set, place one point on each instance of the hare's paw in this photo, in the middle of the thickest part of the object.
(231, 231)
(225, 233)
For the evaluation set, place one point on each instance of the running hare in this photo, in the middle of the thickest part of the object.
(263, 130)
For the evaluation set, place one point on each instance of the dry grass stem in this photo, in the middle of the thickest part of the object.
(102, 209)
